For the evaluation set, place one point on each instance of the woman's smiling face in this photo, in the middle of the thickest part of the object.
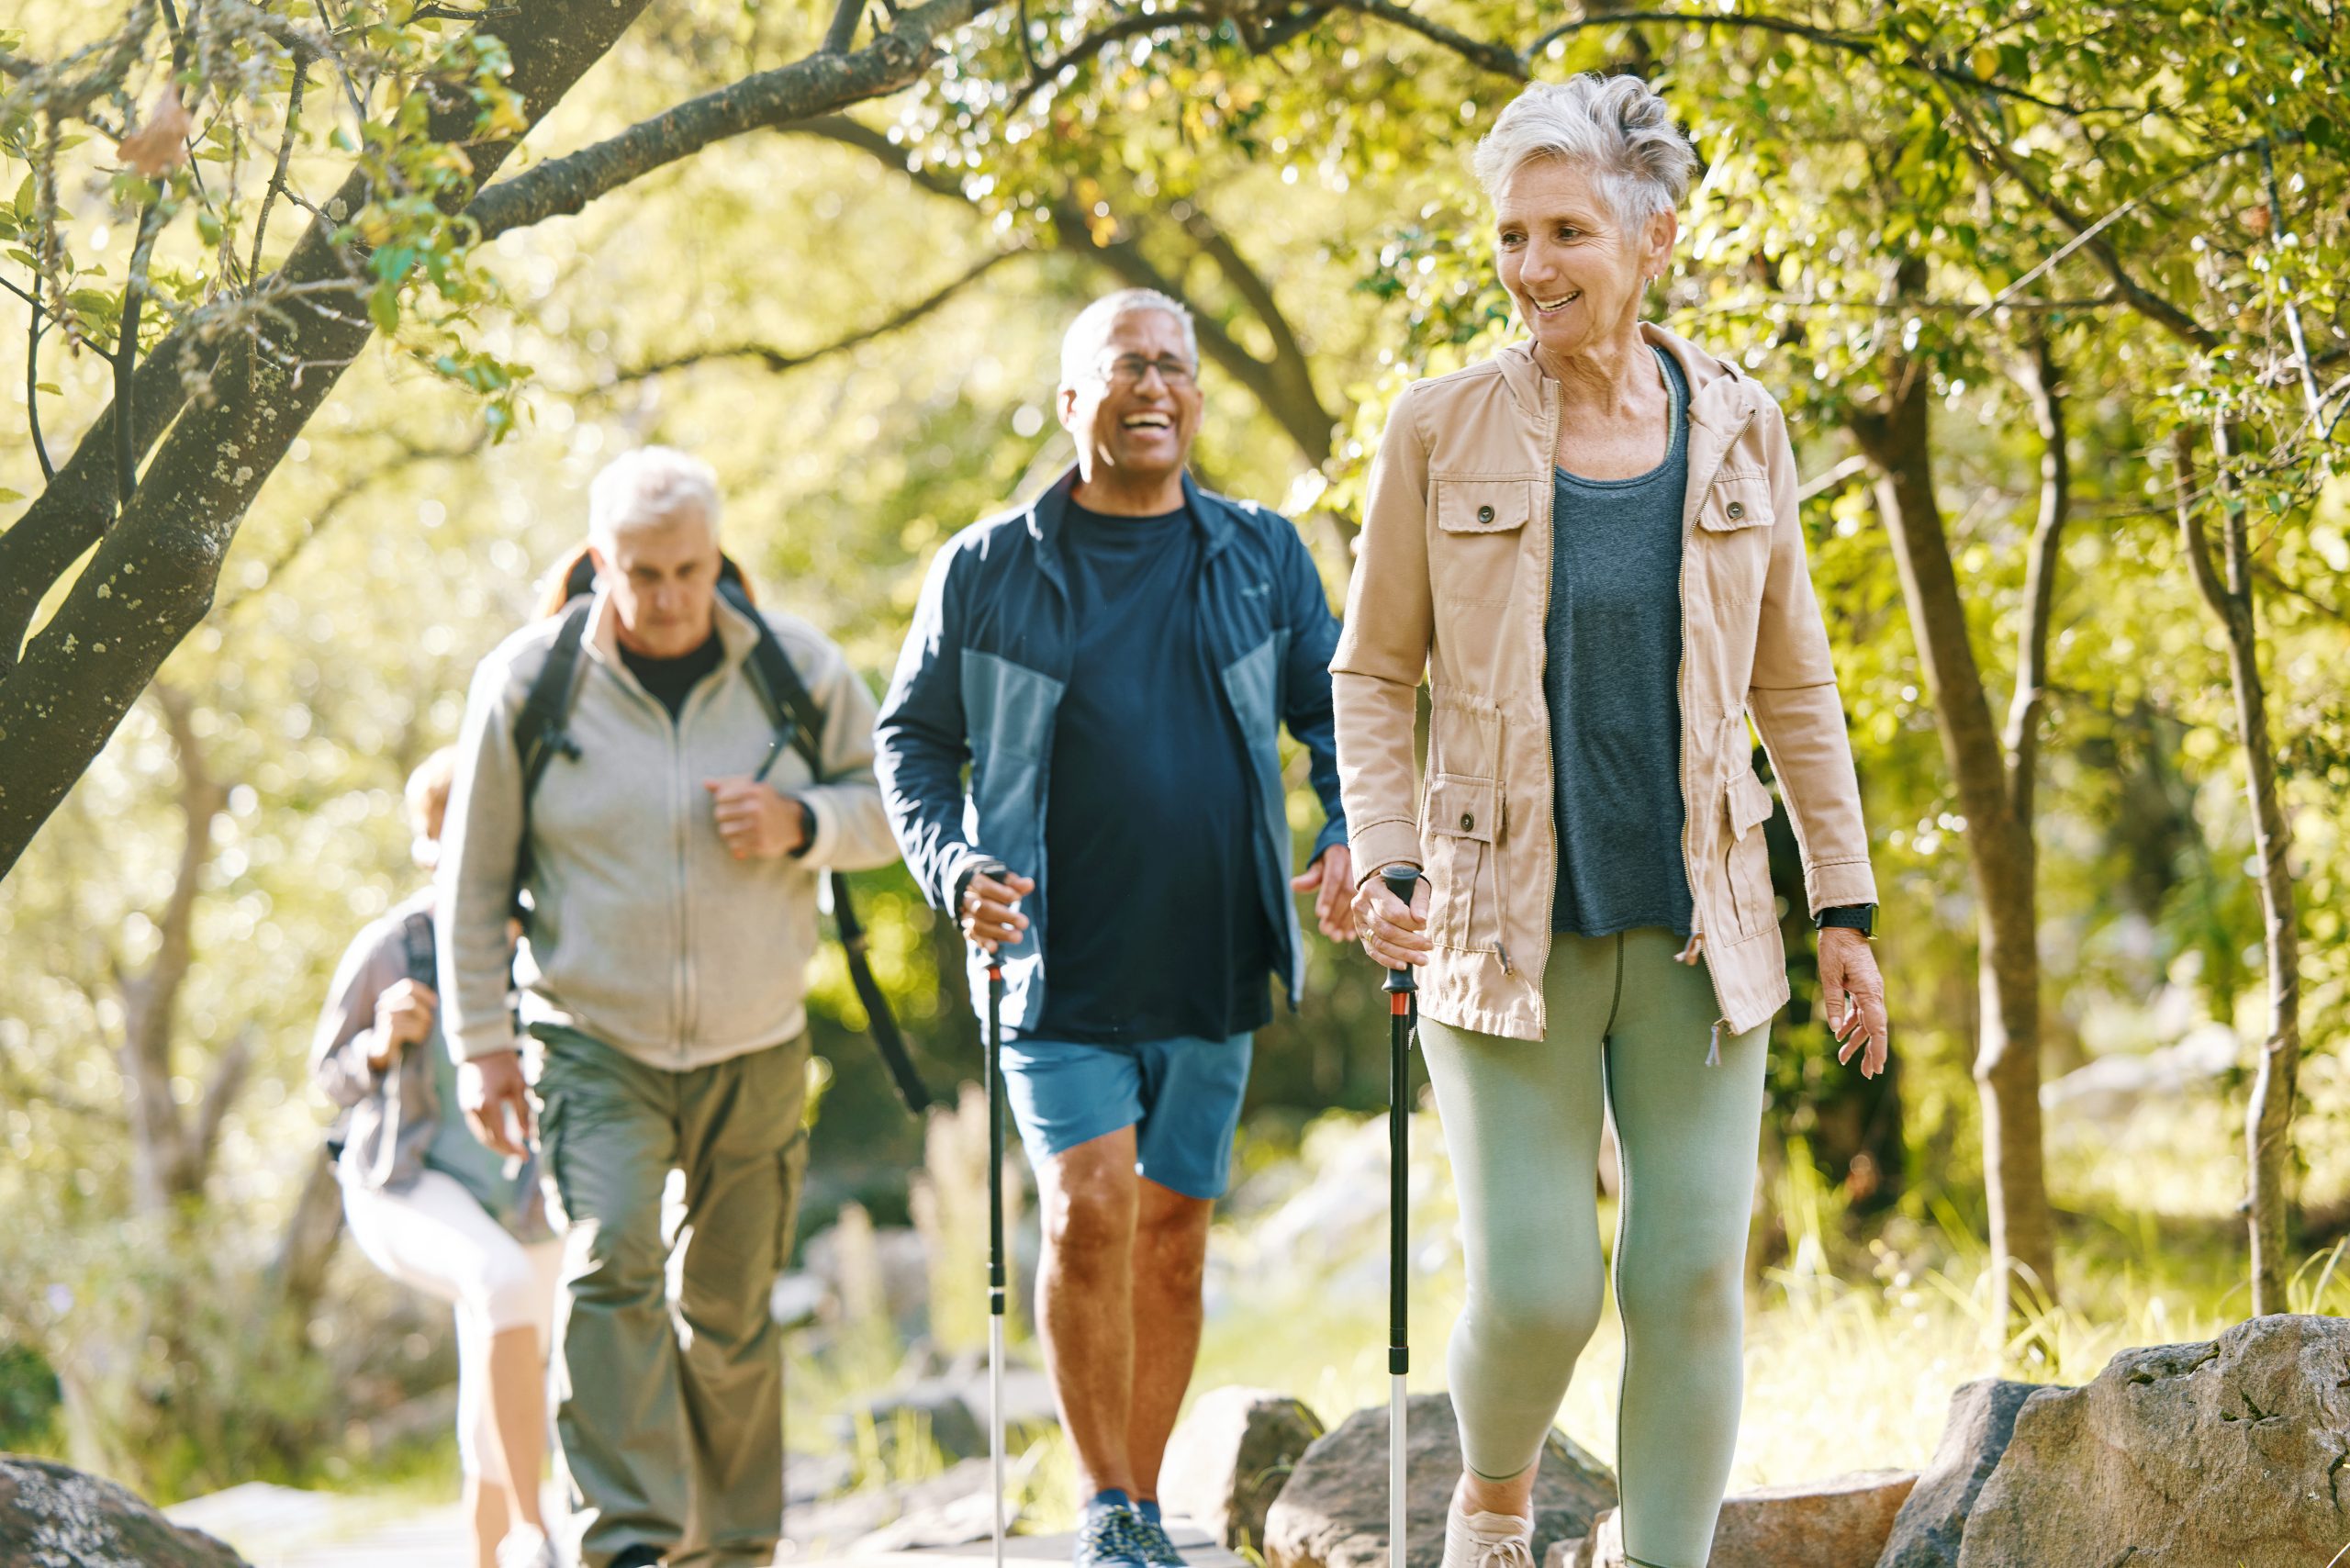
(1574, 269)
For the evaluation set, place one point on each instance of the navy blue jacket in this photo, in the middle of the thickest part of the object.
(980, 678)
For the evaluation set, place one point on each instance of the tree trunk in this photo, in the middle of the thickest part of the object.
(171, 1148)
(2268, 1121)
(151, 580)
(1897, 441)
(298, 1272)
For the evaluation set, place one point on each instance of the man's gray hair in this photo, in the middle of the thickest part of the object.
(647, 487)
(1617, 128)
(1082, 345)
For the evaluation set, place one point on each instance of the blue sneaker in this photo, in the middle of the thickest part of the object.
(1108, 1535)
(1158, 1546)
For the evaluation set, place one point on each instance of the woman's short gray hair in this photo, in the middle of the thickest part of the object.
(1082, 345)
(1617, 127)
(647, 487)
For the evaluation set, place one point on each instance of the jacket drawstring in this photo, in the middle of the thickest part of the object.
(1714, 1048)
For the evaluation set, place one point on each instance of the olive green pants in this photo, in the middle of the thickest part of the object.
(669, 1401)
(1629, 1031)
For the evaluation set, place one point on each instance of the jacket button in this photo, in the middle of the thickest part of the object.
(1467, 822)
(1737, 510)
(1485, 514)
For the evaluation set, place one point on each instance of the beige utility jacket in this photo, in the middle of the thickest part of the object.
(1453, 580)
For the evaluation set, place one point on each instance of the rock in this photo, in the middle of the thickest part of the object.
(2108, 1089)
(932, 1408)
(1230, 1458)
(1837, 1523)
(1975, 1434)
(1333, 1513)
(1841, 1522)
(2227, 1452)
(947, 1509)
(49, 1513)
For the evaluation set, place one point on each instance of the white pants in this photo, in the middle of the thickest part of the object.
(436, 1236)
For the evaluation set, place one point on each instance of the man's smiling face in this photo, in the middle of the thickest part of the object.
(1136, 412)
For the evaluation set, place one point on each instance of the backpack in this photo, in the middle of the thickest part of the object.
(542, 733)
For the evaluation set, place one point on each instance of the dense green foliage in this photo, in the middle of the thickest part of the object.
(857, 321)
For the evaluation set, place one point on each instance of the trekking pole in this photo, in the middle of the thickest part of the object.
(997, 870)
(1403, 1019)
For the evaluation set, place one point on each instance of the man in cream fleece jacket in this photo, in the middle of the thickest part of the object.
(672, 865)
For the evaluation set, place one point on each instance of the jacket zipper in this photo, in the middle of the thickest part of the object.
(1691, 503)
(1542, 634)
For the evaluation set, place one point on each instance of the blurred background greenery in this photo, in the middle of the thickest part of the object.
(856, 319)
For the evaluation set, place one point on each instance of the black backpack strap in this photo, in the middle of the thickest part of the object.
(799, 724)
(415, 942)
(542, 729)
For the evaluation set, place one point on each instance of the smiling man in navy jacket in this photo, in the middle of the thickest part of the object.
(1115, 663)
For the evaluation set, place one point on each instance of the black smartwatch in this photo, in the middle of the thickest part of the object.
(1859, 917)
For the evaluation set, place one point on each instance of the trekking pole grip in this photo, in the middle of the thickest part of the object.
(1400, 881)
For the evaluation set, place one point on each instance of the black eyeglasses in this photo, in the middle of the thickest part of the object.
(1128, 369)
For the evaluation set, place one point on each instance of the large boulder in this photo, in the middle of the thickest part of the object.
(1837, 1523)
(2181, 1456)
(1231, 1457)
(1333, 1513)
(50, 1515)
(1982, 1418)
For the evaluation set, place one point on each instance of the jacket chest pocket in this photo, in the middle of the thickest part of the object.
(1730, 549)
(1474, 555)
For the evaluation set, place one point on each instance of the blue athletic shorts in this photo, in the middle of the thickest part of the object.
(1181, 1097)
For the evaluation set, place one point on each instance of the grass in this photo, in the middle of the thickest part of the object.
(1857, 1336)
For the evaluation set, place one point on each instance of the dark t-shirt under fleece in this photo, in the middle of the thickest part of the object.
(672, 681)
(1155, 927)
(1612, 684)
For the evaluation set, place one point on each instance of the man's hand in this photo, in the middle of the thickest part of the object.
(1855, 998)
(403, 1018)
(990, 911)
(1331, 880)
(756, 821)
(496, 1106)
(1396, 937)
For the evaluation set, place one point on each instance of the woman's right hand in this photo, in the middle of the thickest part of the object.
(403, 1018)
(1395, 935)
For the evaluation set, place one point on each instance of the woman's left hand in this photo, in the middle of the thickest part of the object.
(1855, 990)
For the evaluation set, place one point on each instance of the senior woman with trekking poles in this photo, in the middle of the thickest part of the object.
(1589, 544)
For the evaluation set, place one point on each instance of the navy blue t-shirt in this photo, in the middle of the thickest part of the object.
(1156, 928)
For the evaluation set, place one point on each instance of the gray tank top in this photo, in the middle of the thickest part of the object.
(1612, 685)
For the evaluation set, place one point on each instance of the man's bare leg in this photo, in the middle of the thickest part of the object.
(1171, 1254)
(1086, 1301)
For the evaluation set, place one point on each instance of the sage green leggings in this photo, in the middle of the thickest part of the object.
(1628, 1028)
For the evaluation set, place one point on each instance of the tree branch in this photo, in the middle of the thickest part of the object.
(1133, 24)
(2041, 379)
(314, 523)
(779, 361)
(1497, 58)
(1301, 418)
(1992, 154)
(153, 577)
(1856, 466)
(843, 32)
(284, 162)
(820, 84)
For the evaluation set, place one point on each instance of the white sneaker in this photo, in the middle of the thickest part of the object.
(527, 1547)
(1487, 1540)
